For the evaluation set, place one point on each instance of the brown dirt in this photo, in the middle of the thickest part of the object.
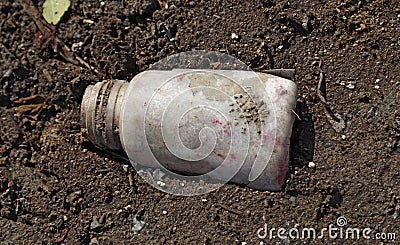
(55, 186)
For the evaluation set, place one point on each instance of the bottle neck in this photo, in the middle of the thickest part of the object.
(101, 112)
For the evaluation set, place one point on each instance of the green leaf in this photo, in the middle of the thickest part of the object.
(53, 10)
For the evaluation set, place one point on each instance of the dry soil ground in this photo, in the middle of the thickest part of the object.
(56, 187)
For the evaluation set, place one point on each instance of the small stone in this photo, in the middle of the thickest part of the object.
(304, 23)
(343, 137)
(311, 165)
(137, 225)
(160, 183)
(93, 241)
(397, 211)
(376, 87)
(125, 167)
(234, 36)
(164, 212)
(95, 225)
(371, 112)
(98, 223)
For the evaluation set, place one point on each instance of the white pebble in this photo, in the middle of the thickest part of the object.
(164, 212)
(160, 183)
(376, 87)
(343, 137)
(234, 36)
(311, 165)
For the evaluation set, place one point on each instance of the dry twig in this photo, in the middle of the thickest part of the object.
(335, 120)
(229, 209)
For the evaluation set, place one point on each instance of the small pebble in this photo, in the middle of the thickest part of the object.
(93, 241)
(137, 225)
(343, 137)
(234, 36)
(160, 183)
(164, 212)
(304, 23)
(371, 112)
(311, 165)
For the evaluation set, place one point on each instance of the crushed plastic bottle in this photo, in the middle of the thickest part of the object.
(227, 125)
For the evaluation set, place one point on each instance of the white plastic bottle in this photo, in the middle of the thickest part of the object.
(224, 124)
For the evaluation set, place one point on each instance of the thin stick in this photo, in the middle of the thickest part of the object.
(229, 209)
(298, 117)
(321, 85)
